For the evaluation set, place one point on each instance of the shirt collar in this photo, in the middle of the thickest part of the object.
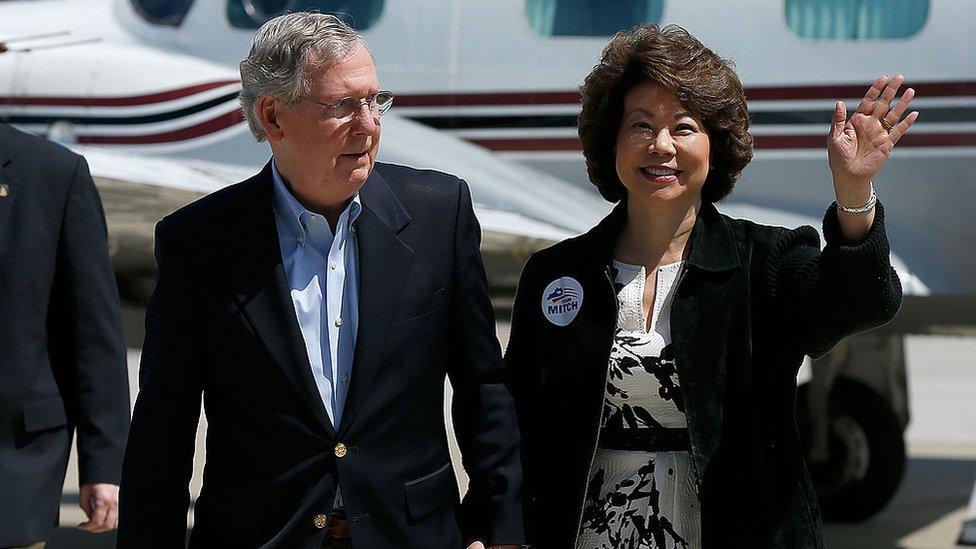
(291, 211)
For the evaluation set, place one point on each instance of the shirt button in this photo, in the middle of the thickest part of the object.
(345, 378)
(340, 450)
(320, 521)
(338, 321)
(332, 264)
(301, 240)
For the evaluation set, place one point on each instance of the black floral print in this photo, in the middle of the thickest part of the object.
(624, 361)
(620, 513)
(635, 498)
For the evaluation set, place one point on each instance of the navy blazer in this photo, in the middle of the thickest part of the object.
(62, 354)
(221, 324)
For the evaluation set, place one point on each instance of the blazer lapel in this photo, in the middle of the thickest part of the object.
(593, 328)
(6, 188)
(700, 321)
(384, 264)
(261, 287)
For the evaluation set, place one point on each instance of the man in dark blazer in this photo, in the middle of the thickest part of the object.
(317, 308)
(62, 354)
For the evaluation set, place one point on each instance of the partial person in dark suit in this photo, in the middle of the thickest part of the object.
(62, 354)
(317, 308)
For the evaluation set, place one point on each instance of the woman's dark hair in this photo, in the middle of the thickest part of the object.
(703, 82)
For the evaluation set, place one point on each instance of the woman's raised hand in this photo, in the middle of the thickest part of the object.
(858, 147)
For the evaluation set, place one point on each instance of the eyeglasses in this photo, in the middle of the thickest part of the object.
(347, 107)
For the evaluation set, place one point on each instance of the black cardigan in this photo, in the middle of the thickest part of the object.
(751, 302)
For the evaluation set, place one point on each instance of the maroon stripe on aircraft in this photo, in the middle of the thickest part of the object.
(487, 99)
(922, 89)
(119, 101)
(521, 144)
(761, 142)
(909, 140)
(758, 93)
(222, 122)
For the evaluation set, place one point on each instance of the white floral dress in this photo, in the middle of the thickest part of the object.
(636, 498)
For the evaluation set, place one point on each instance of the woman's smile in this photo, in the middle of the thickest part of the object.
(661, 175)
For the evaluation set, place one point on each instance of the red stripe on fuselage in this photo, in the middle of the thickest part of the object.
(923, 89)
(119, 101)
(909, 140)
(223, 121)
(486, 99)
(542, 144)
(761, 142)
(756, 93)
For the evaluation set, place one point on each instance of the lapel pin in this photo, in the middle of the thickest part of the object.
(4, 190)
(562, 300)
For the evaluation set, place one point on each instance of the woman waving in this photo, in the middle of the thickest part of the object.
(654, 358)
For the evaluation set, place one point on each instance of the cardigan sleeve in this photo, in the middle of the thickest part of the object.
(827, 295)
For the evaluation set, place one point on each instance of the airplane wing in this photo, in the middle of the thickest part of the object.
(138, 190)
(495, 182)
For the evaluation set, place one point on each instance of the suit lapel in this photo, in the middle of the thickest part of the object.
(261, 287)
(384, 264)
(7, 187)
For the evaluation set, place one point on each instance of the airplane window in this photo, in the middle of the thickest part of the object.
(251, 14)
(590, 17)
(856, 19)
(162, 12)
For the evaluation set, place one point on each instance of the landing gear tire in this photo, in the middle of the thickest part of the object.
(866, 458)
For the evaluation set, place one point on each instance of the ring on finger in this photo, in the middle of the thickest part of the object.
(887, 127)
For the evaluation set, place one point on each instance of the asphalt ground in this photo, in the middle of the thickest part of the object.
(926, 513)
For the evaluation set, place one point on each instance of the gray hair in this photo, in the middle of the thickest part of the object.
(283, 50)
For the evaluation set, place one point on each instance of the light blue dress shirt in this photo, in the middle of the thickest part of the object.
(323, 279)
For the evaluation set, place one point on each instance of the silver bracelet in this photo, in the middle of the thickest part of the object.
(860, 210)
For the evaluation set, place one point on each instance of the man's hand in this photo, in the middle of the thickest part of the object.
(479, 545)
(100, 502)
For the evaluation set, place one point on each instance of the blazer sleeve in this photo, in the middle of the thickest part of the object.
(86, 344)
(483, 412)
(827, 295)
(158, 460)
(523, 363)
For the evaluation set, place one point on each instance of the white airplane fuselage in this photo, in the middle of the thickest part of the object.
(477, 71)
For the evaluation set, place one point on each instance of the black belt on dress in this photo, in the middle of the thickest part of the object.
(645, 440)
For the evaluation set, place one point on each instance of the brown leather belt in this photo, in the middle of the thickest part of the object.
(338, 526)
